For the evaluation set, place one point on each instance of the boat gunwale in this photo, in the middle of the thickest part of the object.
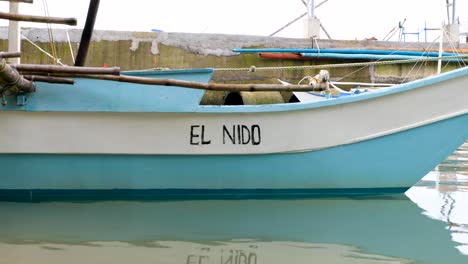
(264, 108)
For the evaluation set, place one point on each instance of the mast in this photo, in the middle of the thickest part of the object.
(87, 33)
(310, 8)
(14, 39)
(453, 12)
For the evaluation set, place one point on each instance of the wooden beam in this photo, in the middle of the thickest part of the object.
(39, 19)
(65, 69)
(14, 34)
(210, 86)
(12, 81)
(19, 1)
(49, 79)
(10, 54)
(79, 73)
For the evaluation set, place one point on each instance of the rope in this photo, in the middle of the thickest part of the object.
(49, 29)
(446, 34)
(421, 65)
(341, 65)
(43, 51)
(70, 46)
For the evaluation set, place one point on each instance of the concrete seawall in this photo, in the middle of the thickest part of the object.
(145, 50)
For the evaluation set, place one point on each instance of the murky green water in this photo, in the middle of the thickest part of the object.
(429, 224)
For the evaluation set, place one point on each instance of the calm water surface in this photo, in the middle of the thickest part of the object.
(429, 224)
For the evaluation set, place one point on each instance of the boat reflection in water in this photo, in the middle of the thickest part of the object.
(384, 229)
(443, 194)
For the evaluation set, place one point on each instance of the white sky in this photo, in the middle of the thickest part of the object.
(343, 19)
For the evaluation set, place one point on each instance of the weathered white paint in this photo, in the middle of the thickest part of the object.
(289, 131)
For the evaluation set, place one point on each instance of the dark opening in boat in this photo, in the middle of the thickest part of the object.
(233, 98)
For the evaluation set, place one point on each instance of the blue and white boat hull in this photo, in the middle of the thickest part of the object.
(120, 140)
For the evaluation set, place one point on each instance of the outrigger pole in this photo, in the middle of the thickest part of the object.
(14, 34)
(87, 33)
(38, 19)
(19, 1)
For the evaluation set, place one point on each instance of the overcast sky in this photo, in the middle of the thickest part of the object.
(343, 19)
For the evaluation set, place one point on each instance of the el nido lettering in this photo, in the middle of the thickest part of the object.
(231, 135)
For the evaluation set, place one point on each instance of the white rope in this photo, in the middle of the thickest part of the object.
(460, 62)
(49, 29)
(43, 51)
(363, 84)
(318, 48)
(70, 46)
(305, 77)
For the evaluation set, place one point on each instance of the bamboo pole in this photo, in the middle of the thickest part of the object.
(49, 79)
(14, 33)
(209, 86)
(66, 69)
(19, 1)
(11, 80)
(180, 83)
(10, 54)
(39, 19)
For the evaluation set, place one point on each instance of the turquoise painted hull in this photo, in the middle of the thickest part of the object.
(388, 160)
(386, 164)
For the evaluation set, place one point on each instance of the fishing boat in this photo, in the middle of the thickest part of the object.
(144, 134)
(112, 138)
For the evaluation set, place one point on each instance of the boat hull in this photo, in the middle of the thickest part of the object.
(388, 164)
(108, 139)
